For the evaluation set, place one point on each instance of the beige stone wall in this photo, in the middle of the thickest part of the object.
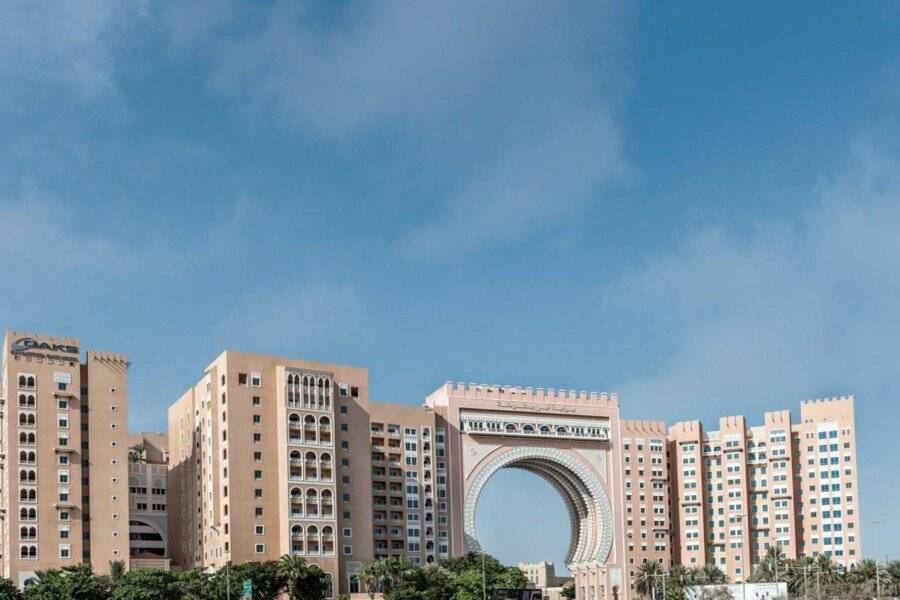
(646, 502)
(758, 481)
(77, 439)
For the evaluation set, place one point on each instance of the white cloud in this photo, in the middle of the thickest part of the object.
(512, 104)
(67, 43)
(787, 311)
(61, 268)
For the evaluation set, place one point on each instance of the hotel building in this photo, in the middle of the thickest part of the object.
(741, 488)
(267, 456)
(274, 455)
(148, 465)
(63, 456)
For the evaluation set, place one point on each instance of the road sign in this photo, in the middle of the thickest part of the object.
(247, 592)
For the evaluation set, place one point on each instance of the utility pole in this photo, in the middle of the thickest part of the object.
(875, 525)
(805, 587)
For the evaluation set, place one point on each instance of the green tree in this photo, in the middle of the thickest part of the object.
(267, 583)
(147, 584)
(771, 567)
(568, 591)
(116, 571)
(8, 590)
(77, 581)
(678, 577)
(192, 584)
(302, 581)
(647, 577)
(892, 570)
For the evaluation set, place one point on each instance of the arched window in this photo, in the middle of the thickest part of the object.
(30, 381)
(294, 419)
(354, 584)
(561, 430)
(23, 552)
(325, 421)
(528, 429)
(296, 494)
(309, 420)
(22, 400)
(22, 381)
(325, 458)
(545, 429)
(329, 586)
(511, 428)
(311, 456)
(295, 455)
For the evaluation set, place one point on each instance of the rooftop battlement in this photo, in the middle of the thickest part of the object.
(528, 394)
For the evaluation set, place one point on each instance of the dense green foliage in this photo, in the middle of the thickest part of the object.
(293, 575)
(463, 578)
(812, 578)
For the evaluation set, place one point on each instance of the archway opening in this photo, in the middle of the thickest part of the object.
(521, 518)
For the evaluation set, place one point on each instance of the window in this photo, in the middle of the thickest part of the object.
(257, 493)
(242, 379)
(259, 529)
(258, 511)
(260, 548)
(348, 550)
(256, 401)
(64, 551)
(63, 404)
(63, 421)
(347, 532)
(257, 437)
(255, 379)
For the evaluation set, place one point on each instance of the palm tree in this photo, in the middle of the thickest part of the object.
(694, 576)
(370, 576)
(892, 570)
(644, 581)
(678, 576)
(712, 574)
(828, 571)
(116, 570)
(771, 567)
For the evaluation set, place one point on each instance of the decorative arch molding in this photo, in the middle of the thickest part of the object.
(586, 501)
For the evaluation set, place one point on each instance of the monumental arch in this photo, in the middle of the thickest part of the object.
(570, 439)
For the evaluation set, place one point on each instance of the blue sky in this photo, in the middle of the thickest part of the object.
(695, 206)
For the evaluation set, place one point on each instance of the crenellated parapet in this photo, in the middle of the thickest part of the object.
(527, 394)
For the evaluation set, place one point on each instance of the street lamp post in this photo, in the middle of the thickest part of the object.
(483, 579)
(218, 531)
